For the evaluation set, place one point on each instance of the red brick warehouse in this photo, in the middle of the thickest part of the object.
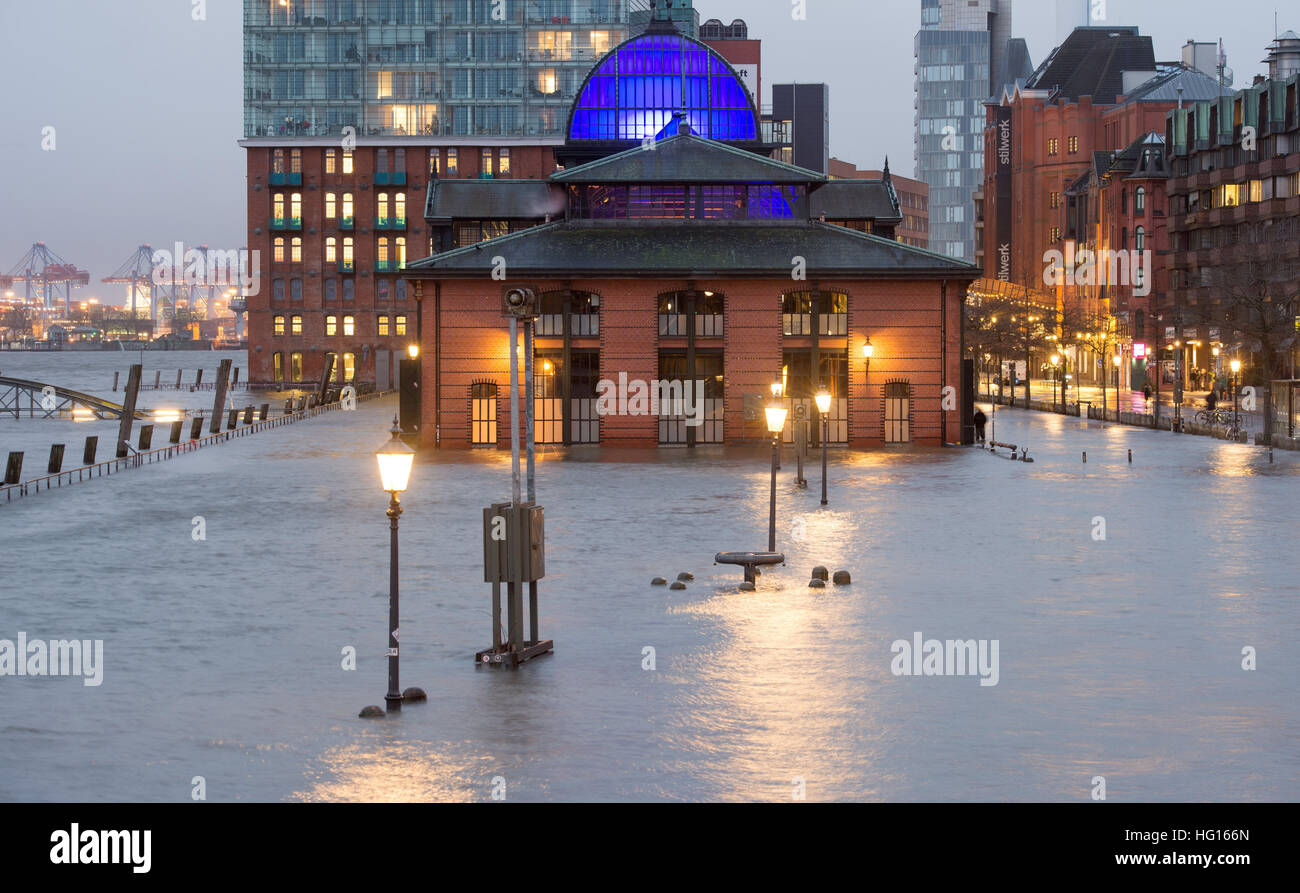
(673, 248)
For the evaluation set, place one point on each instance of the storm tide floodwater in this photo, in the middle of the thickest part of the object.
(1119, 658)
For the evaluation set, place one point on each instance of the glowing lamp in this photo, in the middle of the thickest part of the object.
(1236, 366)
(823, 399)
(776, 414)
(395, 460)
(413, 351)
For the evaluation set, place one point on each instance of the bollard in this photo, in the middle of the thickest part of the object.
(248, 416)
(92, 447)
(264, 412)
(14, 469)
(177, 427)
(1130, 457)
(196, 428)
(56, 458)
(1085, 457)
(179, 372)
(231, 420)
(157, 380)
(146, 437)
(115, 375)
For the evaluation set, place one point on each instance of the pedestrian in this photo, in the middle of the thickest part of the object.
(1211, 400)
(1146, 393)
(981, 420)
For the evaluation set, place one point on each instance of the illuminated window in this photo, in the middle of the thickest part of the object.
(1074, 145)
(381, 206)
(453, 162)
(279, 325)
(295, 206)
(401, 252)
(1053, 147)
(295, 161)
(295, 366)
(1056, 200)
(347, 206)
(1256, 191)
(331, 250)
(435, 162)
(278, 372)
(503, 162)
(331, 161)
(635, 91)
(331, 206)
(381, 254)
(349, 326)
(295, 250)
(347, 253)
(399, 326)
(296, 325)
(485, 164)
(277, 250)
(277, 161)
(547, 82)
(347, 161)
(383, 326)
(331, 325)
(399, 208)
(349, 366)
(277, 206)
(1054, 235)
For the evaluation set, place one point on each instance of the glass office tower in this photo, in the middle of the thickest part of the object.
(421, 68)
(964, 54)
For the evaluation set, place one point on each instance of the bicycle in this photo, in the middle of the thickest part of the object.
(1215, 417)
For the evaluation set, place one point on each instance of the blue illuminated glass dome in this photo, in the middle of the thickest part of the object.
(633, 93)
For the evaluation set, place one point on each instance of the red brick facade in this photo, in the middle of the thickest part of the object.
(467, 343)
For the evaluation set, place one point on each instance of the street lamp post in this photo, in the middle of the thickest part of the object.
(1056, 378)
(776, 413)
(1236, 368)
(824, 408)
(777, 395)
(395, 460)
(1118, 360)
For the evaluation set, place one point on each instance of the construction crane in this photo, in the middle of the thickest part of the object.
(137, 272)
(43, 274)
(154, 287)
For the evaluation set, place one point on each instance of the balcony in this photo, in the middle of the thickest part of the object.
(388, 266)
(286, 224)
(390, 223)
(347, 266)
(347, 223)
(286, 179)
(390, 179)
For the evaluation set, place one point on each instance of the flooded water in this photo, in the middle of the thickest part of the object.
(1119, 656)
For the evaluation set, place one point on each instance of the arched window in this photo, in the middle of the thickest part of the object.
(898, 412)
(1140, 200)
(1140, 239)
(483, 414)
(277, 372)
(295, 366)
(634, 92)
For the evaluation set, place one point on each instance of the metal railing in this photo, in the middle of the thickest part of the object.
(139, 459)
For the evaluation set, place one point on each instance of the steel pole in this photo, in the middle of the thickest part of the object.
(771, 518)
(514, 408)
(825, 435)
(393, 699)
(530, 408)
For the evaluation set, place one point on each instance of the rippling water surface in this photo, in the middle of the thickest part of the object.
(1119, 658)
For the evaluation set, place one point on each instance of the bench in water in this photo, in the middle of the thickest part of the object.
(749, 561)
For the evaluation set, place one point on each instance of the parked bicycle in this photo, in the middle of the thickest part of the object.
(1216, 417)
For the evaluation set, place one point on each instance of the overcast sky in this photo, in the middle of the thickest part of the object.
(145, 103)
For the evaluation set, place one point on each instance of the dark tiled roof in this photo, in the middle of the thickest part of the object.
(493, 200)
(690, 248)
(1196, 87)
(1092, 62)
(853, 200)
(687, 158)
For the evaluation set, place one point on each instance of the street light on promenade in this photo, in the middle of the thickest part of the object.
(395, 460)
(778, 393)
(1056, 377)
(1236, 368)
(824, 408)
(1118, 361)
(776, 413)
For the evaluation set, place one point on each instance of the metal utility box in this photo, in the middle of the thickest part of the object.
(514, 548)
